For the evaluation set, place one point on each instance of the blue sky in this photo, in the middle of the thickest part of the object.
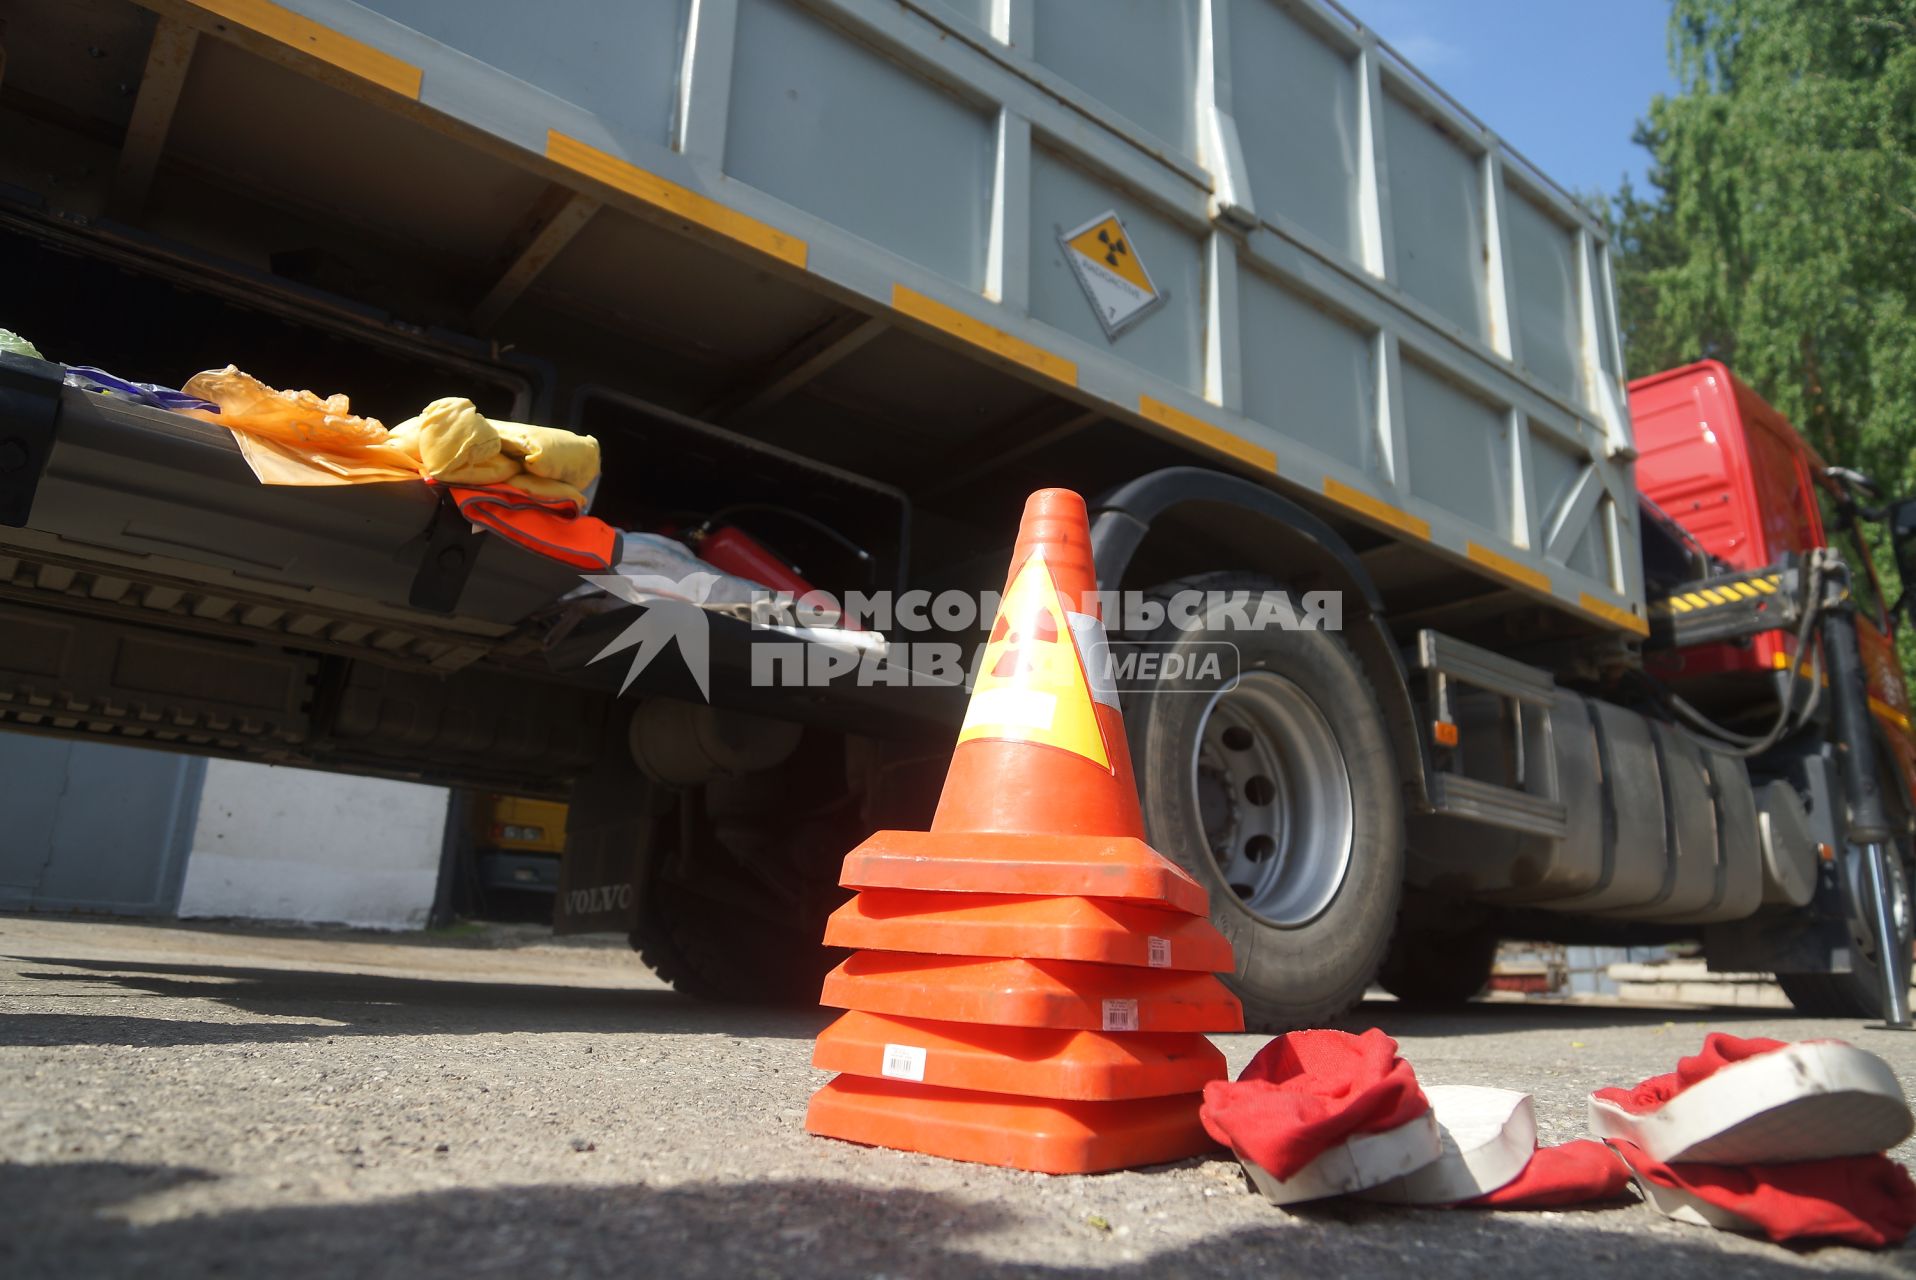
(1563, 81)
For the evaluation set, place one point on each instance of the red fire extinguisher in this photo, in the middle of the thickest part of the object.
(728, 547)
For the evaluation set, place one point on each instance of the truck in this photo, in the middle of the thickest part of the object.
(1607, 664)
(517, 848)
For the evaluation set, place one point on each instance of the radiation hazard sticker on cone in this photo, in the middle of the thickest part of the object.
(1106, 263)
(1032, 685)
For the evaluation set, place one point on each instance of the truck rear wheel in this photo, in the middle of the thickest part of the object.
(1433, 970)
(1278, 790)
(734, 908)
(713, 950)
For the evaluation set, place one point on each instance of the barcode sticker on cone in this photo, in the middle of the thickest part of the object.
(1158, 952)
(1120, 1015)
(903, 1062)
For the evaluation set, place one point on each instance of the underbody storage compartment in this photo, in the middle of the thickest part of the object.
(669, 471)
(161, 594)
(170, 493)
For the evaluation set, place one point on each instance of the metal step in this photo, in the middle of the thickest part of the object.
(1482, 669)
(1499, 806)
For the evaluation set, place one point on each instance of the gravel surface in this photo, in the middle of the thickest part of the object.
(196, 1101)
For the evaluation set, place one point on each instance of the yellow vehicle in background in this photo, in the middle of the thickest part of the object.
(517, 846)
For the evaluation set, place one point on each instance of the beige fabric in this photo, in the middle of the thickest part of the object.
(405, 437)
(453, 437)
(552, 453)
(494, 470)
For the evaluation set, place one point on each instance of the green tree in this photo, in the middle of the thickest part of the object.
(1780, 235)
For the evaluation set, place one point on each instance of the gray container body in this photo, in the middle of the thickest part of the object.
(1244, 225)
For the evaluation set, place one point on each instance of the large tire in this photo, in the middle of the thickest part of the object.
(1858, 993)
(1432, 970)
(729, 911)
(1281, 796)
(714, 950)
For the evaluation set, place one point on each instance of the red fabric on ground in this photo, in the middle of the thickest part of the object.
(1307, 1091)
(1579, 1172)
(1866, 1200)
(550, 526)
(1718, 1052)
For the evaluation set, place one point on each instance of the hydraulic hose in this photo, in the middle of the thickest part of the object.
(1789, 717)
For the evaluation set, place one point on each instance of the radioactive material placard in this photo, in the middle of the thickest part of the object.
(1105, 261)
(1031, 684)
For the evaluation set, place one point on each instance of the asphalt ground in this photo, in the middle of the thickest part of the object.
(183, 1101)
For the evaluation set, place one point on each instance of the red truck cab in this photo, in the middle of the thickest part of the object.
(1724, 464)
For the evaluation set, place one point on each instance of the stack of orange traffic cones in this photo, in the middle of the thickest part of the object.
(1032, 980)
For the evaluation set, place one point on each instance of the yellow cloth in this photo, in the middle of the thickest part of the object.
(494, 470)
(549, 452)
(454, 436)
(405, 437)
(454, 442)
(296, 437)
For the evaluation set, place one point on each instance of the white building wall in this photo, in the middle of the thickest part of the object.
(273, 843)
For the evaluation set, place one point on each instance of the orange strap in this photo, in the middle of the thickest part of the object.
(551, 527)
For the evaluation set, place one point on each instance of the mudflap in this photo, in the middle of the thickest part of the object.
(1820, 937)
(612, 833)
(1793, 943)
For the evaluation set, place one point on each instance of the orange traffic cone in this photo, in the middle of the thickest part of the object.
(1033, 979)
(1105, 930)
(1085, 1066)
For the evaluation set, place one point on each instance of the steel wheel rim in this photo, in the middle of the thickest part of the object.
(1273, 798)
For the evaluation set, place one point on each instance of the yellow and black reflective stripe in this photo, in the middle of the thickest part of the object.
(1720, 594)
